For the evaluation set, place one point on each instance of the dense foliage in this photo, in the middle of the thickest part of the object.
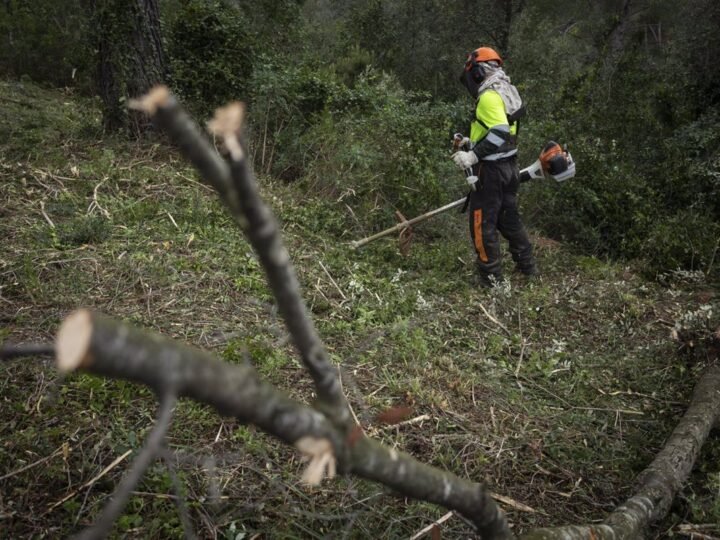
(200, 75)
(357, 99)
(46, 41)
(639, 115)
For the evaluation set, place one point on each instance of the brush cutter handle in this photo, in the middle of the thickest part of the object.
(460, 141)
(471, 179)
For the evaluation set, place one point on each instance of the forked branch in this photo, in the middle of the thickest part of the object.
(235, 184)
(102, 346)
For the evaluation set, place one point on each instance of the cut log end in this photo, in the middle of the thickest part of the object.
(227, 124)
(72, 343)
(157, 97)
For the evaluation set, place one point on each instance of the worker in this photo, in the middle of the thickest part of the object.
(492, 156)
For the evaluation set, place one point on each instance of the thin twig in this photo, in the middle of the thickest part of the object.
(332, 280)
(695, 535)
(411, 421)
(33, 464)
(493, 319)
(179, 498)
(10, 352)
(172, 219)
(57, 452)
(520, 360)
(90, 482)
(512, 503)
(95, 204)
(430, 527)
(355, 418)
(152, 446)
(44, 214)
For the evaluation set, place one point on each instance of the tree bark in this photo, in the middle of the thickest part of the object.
(146, 60)
(129, 59)
(102, 346)
(506, 7)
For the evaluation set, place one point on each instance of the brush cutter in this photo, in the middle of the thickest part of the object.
(554, 162)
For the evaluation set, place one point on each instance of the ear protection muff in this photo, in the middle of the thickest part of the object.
(473, 75)
(476, 71)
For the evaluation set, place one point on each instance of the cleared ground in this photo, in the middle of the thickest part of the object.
(556, 392)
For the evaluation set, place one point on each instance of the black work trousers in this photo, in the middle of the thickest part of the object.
(494, 207)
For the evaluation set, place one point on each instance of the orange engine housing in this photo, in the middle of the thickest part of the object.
(553, 159)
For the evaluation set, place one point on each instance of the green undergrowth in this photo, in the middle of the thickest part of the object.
(556, 392)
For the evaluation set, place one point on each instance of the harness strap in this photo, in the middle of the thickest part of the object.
(466, 203)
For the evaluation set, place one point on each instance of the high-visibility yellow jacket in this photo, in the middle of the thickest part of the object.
(493, 137)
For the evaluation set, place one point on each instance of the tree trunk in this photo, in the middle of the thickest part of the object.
(146, 63)
(506, 8)
(130, 57)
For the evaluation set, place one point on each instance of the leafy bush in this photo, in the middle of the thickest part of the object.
(648, 181)
(211, 54)
(284, 101)
(379, 147)
(374, 145)
(690, 176)
(686, 240)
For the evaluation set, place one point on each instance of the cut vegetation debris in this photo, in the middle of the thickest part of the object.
(557, 393)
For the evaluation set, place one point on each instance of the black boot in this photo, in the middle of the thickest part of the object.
(530, 273)
(488, 280)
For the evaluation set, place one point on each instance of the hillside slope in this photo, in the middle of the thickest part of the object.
(556, 392)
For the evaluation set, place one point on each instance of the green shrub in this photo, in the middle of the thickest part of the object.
(83, 230)
(374, 145)
(284, 101)
(690, 174)
(380, 147)
(687, 240)
(648, 168)
(211, 54)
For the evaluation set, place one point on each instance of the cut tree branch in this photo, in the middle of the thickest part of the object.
(10, 352)
(103, 346)
(237, 188)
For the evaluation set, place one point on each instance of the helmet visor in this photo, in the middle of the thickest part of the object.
(470, 80)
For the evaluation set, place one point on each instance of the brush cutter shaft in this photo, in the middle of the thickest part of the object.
(554, 162)
(405, 224)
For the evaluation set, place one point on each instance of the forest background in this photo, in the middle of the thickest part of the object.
(360, 98)
(351, 107)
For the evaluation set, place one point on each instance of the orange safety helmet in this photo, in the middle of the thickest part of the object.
(482, 54)
(474, 73)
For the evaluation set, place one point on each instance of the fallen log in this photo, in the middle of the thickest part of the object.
(660, 482)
